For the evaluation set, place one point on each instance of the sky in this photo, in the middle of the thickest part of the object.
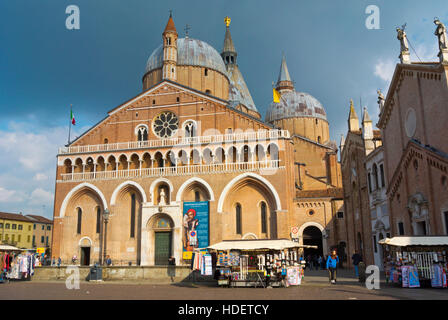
(44, 67)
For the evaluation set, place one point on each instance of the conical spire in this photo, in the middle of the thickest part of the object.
(365, 116)
(228, 52)
(353, 120)
(170, 27)
(352, 114)
(284, 73)
(284, 81)
(228, 43)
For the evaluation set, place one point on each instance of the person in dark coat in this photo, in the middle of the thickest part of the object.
(356, 258)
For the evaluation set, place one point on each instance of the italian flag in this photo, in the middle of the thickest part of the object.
(72, 117)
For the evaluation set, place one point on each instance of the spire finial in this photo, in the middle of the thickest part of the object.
(227, 21)
(187, 28)
(171, 13)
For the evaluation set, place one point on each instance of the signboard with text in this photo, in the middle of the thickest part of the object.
(195, 223)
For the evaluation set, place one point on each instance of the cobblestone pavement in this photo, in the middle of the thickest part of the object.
(314, 287)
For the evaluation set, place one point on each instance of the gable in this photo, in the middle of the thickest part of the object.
(211, 115)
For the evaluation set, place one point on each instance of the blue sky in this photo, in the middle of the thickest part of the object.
(44, 67)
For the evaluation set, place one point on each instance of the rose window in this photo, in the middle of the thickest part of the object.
(165, 124)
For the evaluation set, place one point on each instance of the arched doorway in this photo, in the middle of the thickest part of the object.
(162, 226)
(313, 236)
(85, 245)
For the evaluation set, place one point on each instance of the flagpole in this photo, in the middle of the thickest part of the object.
(70, 124)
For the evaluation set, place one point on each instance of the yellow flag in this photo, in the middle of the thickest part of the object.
(276, 95)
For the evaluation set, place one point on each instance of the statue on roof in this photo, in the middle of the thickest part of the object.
(441, 34)
(401, 35)
(381, 99)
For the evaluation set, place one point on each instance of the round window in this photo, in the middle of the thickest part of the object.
(165, 124)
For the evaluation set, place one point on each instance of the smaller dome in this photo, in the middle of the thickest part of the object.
(295, 105)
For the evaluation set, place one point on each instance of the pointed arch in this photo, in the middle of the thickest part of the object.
(117, 190)
(235, 180)
(75, 190)
(193, 180)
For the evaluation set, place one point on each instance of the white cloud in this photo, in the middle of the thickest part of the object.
(426, 53)
(40, 177)
(6, 195)
(385, 69)
(40, 196)
(28, 166)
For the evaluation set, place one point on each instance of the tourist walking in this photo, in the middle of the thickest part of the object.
(332, 264)
(357, 258)
(319, 262)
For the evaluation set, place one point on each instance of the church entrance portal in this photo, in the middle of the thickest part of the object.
(312, 236)
(162, 247)
(85, 256)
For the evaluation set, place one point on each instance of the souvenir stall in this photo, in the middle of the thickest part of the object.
(418, 261)
(253, 263)
(202, 261)
(7, 255)
(17, 264)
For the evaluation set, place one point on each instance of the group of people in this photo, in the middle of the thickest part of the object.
(315, 262)
(331, 263)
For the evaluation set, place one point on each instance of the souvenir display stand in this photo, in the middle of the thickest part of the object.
(418, 261)
(258, 263)
(15, 264)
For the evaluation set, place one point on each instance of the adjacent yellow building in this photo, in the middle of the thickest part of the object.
(16, 230)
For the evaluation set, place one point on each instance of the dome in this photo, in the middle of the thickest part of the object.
(190, 52)
(295, 104)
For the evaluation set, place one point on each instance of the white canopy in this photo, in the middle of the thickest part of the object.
(6, 247)
(416, 241)
(258, 245)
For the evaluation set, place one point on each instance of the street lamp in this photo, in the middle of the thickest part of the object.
(106, 219)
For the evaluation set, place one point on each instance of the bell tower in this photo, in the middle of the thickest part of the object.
(169, 51)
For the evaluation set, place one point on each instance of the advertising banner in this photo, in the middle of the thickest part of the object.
(195, 227)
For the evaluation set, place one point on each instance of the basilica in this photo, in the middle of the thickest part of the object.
(190, 161)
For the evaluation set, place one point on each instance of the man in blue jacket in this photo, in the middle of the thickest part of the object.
(332, 264)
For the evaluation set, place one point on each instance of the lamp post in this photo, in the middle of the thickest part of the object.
(106, 219)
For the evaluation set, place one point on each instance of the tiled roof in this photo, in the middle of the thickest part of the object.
(14, 216)
(39, 219)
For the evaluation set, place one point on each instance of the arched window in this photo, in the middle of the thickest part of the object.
(369, 180)
(133, 215)
(190, 129)
(375, 176)
(206, 72)
(98, 220)
(142, 134)
(238, 219)
(383, 184)
(197, 196)
(78, 228)
(263, 218)
(319, 139)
